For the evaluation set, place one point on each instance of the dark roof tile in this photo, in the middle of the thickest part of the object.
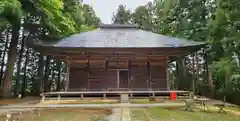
(121, 36)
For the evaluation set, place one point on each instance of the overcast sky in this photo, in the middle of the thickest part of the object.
(105, 8)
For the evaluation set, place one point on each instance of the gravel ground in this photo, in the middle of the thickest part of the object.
(5, 111)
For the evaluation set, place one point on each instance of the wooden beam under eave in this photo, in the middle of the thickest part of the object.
(111, 54)
(93, 51)
(130, 57)
(116, 61)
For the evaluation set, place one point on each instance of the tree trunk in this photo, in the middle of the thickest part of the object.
(210, 82)
(193, 76)
(197, 73)
(46, 73)
(59, 75)
(39, 80)
(184, 74)
(24, 83)
(17, 89)
(177, 75)
(208, 75)
(3, 55)
(7, 81)
(52, 75)
(180, 74)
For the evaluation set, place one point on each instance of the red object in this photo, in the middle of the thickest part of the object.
(172, 95)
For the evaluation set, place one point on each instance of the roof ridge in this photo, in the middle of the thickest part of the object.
(114, 26)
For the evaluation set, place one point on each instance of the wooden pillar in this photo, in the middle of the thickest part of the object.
(88, 69)
(118, 79)
(193, 69)
(106, 72)
(181, 72)
(129, 74)
(208, 75)
(68, 76)
(167, 75)
(197, 73)
(210, 81)
(149, 74)
(206, 67)
(177, 80)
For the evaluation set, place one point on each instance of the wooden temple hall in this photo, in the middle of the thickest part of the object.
(118, 57)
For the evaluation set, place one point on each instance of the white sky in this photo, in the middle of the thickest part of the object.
(105, 8)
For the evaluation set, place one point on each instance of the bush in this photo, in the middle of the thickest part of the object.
(231, 91)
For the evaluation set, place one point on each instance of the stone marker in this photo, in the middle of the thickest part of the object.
(124, 98)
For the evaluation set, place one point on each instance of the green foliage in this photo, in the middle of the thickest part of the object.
(122, 16)
(90, 17)
(223, 71)
(10, 10)
(83, 15)
(44, 19)
(57, 23)
(232, 89)
(74, 9)
(143, 17)
(224, 31)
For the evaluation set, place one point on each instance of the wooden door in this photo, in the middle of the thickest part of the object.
(123, 79)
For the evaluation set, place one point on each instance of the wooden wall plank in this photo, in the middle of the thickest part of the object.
(97, 77)
(139, 74)
(78, 78)
(158, 74)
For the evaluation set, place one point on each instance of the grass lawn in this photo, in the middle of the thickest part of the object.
(146, 101)
(234, 108)
(141, 101)
(160, 114)
(60, 115)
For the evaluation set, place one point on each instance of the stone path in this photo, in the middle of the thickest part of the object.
(126, 114)
(119, 114)
(115, 116)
